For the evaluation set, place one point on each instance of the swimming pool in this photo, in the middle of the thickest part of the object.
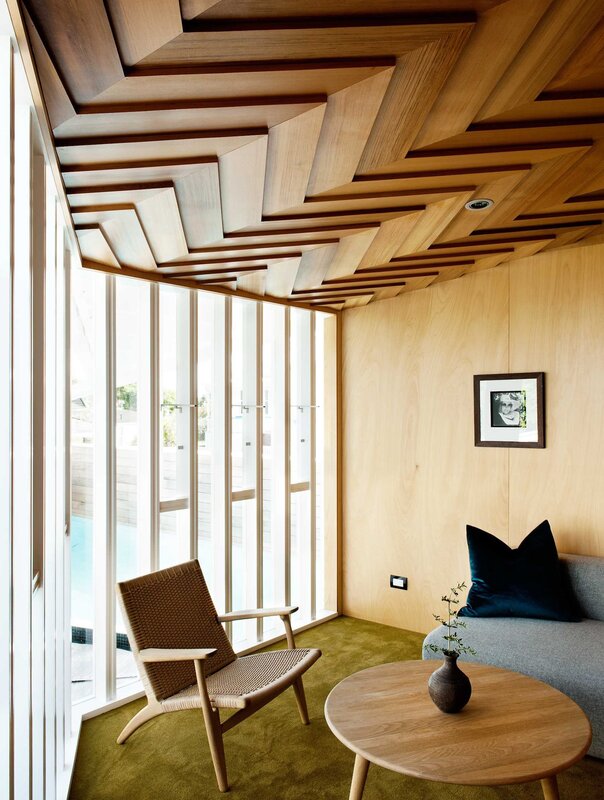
(82, 570)
(82, 566)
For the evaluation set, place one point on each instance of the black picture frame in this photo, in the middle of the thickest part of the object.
(509, 410)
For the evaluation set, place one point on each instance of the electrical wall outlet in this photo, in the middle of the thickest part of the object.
(398, 582)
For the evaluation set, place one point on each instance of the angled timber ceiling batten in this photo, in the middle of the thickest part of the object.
(323, 152)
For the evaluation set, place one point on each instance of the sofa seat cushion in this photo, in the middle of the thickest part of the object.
(566, 655)
(586, 576)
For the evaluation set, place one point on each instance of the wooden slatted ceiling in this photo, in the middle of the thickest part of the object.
(321, 153)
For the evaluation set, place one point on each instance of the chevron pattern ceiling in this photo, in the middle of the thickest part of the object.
(311, 151)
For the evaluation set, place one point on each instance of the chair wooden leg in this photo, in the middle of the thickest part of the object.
(214, 732)
(550, 788)
(301, 701)
(144, 715)
(211, 717)
(359, 776)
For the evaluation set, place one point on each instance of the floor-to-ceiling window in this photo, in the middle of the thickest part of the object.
(34, 258)
(195, 433)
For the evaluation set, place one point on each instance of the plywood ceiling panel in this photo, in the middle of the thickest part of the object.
(162, 223)
(291, 152)
(208, 115)
(122, 228)
(142, 26)
(238, 80)
(198, 195)
(287, 39)
(349, 120)
(95, 247)
(469, 87)
(280, 277)
(153, 149)
(81, 44)
(323, 152)
(59, 103)
(418, 78)
(556, 36)
(243, 9)
(242, 184)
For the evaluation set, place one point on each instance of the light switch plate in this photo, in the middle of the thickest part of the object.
(398, 582)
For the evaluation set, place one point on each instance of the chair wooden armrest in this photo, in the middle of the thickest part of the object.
(285, 614)
(155, 654)
(255, 613)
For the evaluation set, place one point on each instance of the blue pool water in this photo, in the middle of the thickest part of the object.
(82, 569)
(82, 560)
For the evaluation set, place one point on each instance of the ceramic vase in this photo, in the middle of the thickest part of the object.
(449, 687)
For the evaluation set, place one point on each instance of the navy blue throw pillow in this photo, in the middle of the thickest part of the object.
(524, 582)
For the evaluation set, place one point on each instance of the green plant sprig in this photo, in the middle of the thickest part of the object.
(451, 622)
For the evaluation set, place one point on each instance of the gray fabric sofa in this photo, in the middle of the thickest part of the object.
(567, 655)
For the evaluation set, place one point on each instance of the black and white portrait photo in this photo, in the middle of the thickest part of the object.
(508, 409)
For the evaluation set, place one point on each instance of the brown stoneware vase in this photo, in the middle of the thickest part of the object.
(449, 687)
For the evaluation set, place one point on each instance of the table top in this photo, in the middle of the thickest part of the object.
(514, 729)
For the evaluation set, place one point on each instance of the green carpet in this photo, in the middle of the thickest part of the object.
(271, 756)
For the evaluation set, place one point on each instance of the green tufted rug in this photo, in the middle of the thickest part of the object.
(271, 756)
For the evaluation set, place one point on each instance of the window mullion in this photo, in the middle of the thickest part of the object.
(52, 480)
(313, 468)
(145, 439)
(193, 423)
(287, 445)
(66, 722)
(111, 489)
(63, 504)
(259, 471)
(228, 458)
(154, 404)
(21, 454)
(6, 410)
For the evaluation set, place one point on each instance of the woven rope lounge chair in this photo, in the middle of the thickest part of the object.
(185, 659)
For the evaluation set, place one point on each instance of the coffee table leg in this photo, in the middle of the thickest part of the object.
(359, 776)
(550, 788)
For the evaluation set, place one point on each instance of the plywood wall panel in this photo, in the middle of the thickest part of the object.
(412, 477)
(557, 326)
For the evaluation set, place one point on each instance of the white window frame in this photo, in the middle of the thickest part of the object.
(223, 495)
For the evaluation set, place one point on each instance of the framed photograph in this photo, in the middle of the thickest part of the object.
(509, 410)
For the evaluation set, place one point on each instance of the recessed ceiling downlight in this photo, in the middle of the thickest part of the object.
(480, 204)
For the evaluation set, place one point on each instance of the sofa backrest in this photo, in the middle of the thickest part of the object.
(586, 576)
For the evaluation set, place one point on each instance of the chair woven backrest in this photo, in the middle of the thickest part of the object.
(172, 608)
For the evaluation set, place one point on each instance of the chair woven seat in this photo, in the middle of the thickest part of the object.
(232, 686)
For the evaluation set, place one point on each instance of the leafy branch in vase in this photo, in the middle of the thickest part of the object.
(452, 623)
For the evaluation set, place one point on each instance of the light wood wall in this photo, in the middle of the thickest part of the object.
(412, 477)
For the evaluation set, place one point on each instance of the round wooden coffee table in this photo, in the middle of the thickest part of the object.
(515, 729)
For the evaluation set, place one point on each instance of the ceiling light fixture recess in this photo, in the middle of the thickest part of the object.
(480, 204)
